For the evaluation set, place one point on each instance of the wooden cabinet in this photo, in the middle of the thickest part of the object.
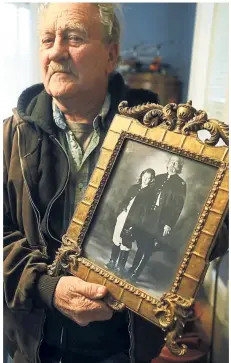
(168, 88)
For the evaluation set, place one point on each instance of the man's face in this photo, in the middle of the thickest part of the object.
(173, 165)
(73, 57)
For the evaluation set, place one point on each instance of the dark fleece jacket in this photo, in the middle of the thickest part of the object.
(35, 175)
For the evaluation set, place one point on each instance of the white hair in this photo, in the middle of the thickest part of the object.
(110, 15)
(181, 162)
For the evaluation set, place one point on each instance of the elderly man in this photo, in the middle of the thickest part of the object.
(51, 145)
(162, 215)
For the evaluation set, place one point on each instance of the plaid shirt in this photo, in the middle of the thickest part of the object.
(82, 161)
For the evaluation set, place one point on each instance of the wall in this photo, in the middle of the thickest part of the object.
(155, 23)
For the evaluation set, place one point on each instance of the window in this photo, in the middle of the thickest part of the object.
(20, 52)
(218, 64)
(208, 88)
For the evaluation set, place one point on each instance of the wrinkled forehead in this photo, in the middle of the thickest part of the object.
(63, 16)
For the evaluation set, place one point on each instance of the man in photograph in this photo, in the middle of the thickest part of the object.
(170, 197)
(161, 215)
(51, 146)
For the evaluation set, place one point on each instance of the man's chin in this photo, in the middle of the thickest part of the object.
(61, 89)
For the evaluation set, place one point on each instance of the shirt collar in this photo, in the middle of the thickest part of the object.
(99, 120)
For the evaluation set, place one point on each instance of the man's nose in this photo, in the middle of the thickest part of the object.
(59, 51)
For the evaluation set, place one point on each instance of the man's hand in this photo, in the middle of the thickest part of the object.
(167, 230)
(80, 300)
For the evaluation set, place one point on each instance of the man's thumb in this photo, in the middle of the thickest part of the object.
(91, 290)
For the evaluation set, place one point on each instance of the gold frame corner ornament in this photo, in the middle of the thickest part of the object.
(66, 255)
(181, 118)
(173, 313)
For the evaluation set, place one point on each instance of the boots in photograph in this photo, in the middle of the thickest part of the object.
(136, 261)
(114, 256)
(139, 268)
(122, 262)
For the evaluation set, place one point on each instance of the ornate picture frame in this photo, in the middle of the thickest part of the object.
(141, 139)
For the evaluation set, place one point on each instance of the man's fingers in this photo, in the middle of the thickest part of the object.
(100, 311)
(96, 311)
(88, 289)
(77, 299)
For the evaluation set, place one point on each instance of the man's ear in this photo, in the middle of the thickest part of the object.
(113, 57)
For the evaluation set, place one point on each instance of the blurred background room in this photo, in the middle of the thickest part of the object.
(178, 50)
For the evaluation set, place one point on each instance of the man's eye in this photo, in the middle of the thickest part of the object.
(75, 38)
(47, 40)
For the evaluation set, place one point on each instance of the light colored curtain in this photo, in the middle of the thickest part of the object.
(216, 95)
(209, 91)
(209, 76)
(19, 52)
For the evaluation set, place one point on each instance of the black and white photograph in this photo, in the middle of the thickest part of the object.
(146, 215)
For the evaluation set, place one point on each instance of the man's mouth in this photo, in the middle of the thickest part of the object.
(60, 72)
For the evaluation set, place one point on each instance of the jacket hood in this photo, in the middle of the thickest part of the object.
(35, 104)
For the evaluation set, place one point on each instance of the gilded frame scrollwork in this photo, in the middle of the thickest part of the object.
(172, 128)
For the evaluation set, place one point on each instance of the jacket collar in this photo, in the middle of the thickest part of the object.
(35, 105)
(100, 119)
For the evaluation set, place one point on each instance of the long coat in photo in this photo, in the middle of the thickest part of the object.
(167, 205)
(133, 227)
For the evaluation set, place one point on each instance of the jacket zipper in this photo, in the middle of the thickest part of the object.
(38, 219)
(51, 204)
(48, 213)
(130, 330)
(36, 211)
(61, 342)
(58, 195)
(41, 339)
